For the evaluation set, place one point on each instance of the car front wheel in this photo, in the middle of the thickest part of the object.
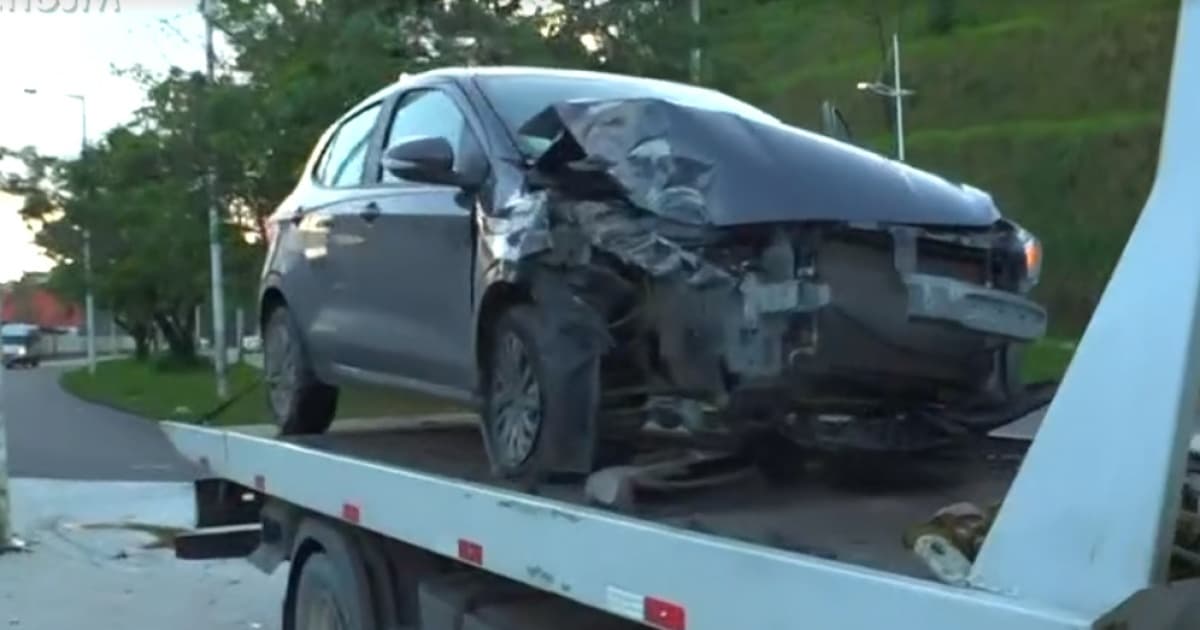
(513, 409)
(299, 402)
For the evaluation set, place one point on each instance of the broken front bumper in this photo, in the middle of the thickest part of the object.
(983, 310)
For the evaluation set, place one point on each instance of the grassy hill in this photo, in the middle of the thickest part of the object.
(1053, 106)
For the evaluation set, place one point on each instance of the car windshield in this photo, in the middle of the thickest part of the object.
(518, 98)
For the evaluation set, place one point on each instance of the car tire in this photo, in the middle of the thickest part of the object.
(299, 402)
(535, 422)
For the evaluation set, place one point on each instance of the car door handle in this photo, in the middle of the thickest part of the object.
(370, 212)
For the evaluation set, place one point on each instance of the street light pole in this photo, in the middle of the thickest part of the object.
(895, 92)
(214, 224)
(89, 299)
(899, 96)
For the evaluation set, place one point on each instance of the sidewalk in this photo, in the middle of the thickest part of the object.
(87, 568)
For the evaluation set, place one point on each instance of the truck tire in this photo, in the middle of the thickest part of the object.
(322, 599)
(299, 402)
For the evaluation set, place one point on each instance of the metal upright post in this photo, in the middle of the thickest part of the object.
(214, 224)
(696, 52)
(5, 524)
(240, 327)
(89, 301)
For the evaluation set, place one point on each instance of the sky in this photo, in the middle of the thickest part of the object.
(49, 48)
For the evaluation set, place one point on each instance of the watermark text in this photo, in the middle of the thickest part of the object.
(60, 6)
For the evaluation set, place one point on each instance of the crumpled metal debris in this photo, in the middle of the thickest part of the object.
(639, 169)
(950, 540)
(701, 166)
(519, 228)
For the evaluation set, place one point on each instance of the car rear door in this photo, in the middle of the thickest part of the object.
(414, 281)
(328, 222)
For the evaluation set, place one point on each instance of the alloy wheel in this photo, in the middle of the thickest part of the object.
(516, 405)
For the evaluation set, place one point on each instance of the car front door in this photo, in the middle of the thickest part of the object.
(415, 279)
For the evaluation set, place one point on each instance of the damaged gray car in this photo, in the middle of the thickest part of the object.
(580, 254)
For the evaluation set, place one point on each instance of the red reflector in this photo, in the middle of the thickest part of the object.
(351, 513)
(260, 483)
(664, 614)
(470, 552)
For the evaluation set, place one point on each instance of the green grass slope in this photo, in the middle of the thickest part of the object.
(1053, 106)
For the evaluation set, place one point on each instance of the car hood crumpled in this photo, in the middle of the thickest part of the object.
(701, 166)
(627, 173)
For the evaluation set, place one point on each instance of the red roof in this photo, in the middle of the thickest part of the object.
(36, 305)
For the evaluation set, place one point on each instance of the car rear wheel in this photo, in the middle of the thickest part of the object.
(299, 402)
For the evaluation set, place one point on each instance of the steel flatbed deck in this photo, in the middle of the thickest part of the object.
(749, 554)
(859, 522)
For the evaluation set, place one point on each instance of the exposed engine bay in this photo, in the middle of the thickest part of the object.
(737, 276)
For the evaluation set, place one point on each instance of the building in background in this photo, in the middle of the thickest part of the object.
(29, 301)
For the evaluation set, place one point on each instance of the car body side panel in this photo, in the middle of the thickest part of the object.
(307, 264)
(411, 275)
(416, 302)
(310, 278)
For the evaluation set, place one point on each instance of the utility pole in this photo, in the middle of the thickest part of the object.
(214, 222)
(696, 52)
(90, 297)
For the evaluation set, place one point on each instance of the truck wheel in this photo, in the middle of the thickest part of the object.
(321, 601)
(299, 402)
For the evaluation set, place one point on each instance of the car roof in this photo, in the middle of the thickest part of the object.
(492, 71)
(471, 72)
(17, 330)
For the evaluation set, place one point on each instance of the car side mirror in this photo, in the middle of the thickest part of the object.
(833, 124)
(428, 159)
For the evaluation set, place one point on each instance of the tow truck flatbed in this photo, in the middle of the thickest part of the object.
(796, 548)
(822, 514)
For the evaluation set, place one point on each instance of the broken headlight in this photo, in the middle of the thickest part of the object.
(1031, 255)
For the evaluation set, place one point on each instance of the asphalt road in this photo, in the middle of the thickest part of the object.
(53, 435)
